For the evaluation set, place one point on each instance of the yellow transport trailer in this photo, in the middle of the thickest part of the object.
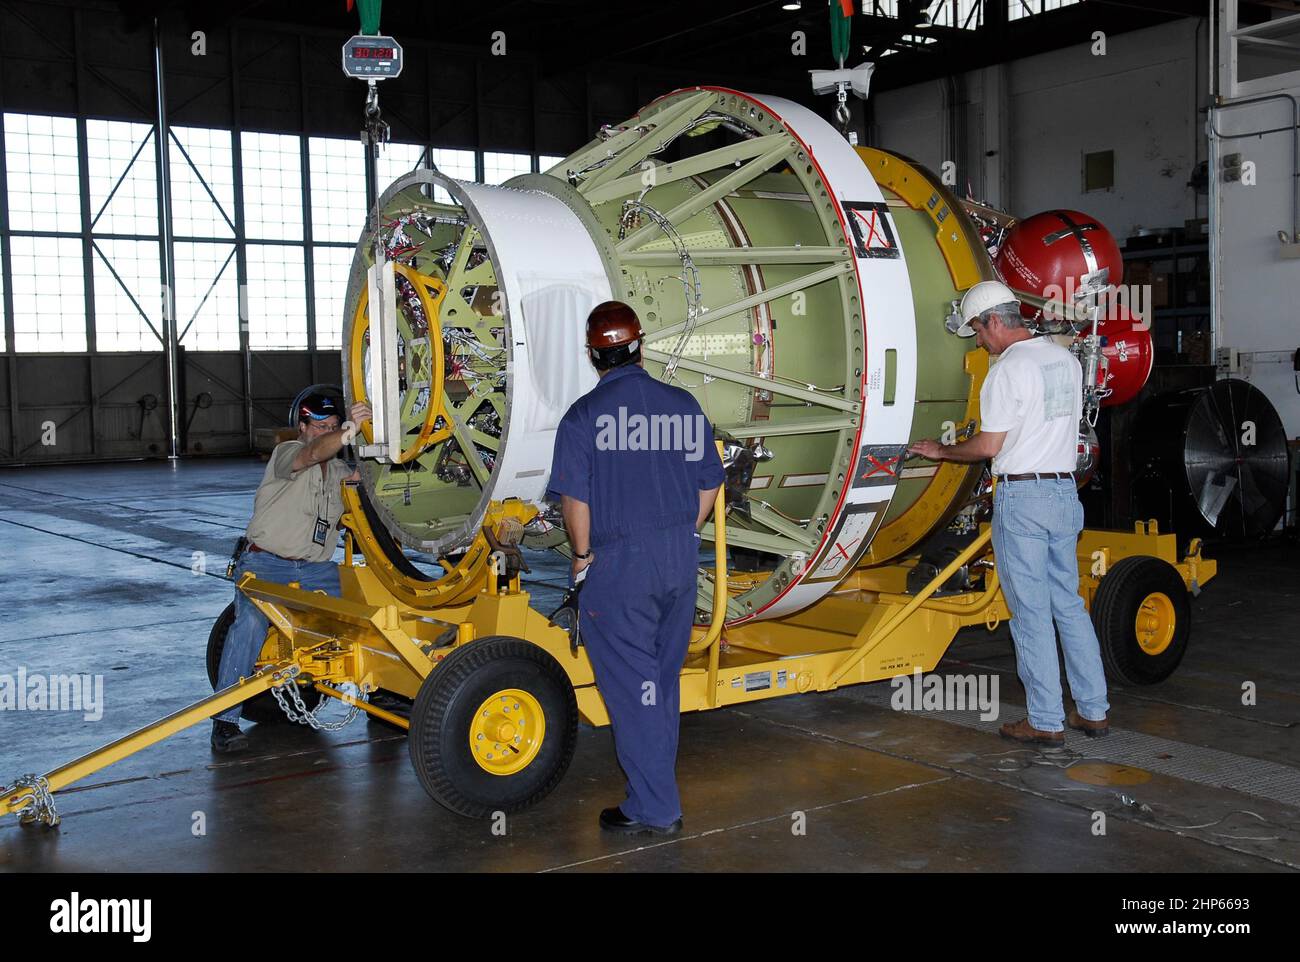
(799, 287)
(498, 691)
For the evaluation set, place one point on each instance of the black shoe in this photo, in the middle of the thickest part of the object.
(613, 820)
(227, 738)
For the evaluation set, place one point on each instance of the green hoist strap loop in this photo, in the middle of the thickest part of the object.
(369, 10)
(841, 26)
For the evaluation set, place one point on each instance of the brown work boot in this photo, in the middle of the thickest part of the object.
(1093, 729)
(1024, 732)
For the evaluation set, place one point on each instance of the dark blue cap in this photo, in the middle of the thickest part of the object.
(318, 407)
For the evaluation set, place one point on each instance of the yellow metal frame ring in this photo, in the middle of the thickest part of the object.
(429, 434)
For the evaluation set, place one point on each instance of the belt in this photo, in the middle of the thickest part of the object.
(253, 547)
(1037, 476)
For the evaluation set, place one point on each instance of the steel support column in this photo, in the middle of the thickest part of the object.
(241, 250)
(171, 360)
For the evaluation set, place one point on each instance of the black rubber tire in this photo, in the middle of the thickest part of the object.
(440, 723)
(264, 708)
(1119, 596)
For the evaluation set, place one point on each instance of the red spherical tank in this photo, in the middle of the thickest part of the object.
(1057, 253)
(1127, 352)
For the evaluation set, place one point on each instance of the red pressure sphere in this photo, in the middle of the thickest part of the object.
(1057, 249)
(1127, 353)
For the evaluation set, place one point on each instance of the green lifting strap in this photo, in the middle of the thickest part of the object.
(841, 26)
(369, 10)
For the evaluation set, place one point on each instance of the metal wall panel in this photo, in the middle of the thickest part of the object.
(125, 417)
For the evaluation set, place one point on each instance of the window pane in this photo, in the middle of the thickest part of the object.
(123, 177)
(41, 159)
(338, 183)
(396, 160)
(498, 168)
(331, 265)
(546, 161)
(272, 186)
(48, 315)
(961, 14)
(207, 296)
(194, 211)
(1016, 9)
(119, 300)
(277, 297)
(338, 188)
(454, 163)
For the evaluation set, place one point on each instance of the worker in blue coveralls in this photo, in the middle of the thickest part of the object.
(636, 472)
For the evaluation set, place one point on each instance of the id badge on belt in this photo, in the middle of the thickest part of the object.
(322, 528)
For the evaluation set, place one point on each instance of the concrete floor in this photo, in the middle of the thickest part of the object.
(99, 561)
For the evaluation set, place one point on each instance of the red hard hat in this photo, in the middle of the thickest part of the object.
(612, 324)
(1058, 248)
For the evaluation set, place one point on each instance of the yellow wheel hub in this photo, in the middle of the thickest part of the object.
(507, 731)
(1155, 623)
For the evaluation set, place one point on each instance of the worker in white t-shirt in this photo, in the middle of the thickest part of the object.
(1031, 403)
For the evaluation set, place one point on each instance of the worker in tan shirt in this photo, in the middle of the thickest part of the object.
(292, 536)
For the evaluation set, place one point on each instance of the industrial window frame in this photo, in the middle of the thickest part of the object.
(121, 285)
(395, 160)
(1236, 43)
(193, 149)
(1020, 9)
(227, 234)
(60, 231)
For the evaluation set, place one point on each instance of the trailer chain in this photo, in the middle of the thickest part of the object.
(39, 806)
(306, 716)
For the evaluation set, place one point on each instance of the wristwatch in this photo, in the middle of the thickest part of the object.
(582, 557)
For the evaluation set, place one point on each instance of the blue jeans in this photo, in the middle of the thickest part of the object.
(248, 632)
(1036, 526)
